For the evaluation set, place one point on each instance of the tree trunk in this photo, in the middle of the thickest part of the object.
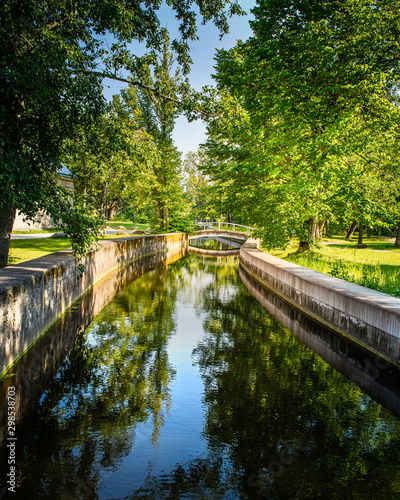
(313, 233)
(305, 245)
(328, 229)
(165, 214)
(320, 229)
(397, 242)
(7, 217)
(360, 235)
(158, 211)
(351, 230)
(104, 201)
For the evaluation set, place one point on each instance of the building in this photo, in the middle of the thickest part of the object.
(43, 220)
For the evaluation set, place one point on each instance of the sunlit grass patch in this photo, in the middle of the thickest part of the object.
(23, 250)
(115, 223)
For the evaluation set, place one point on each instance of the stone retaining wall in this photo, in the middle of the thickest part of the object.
(34, 294)
(369, 317)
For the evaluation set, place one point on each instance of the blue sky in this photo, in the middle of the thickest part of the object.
(188, 136)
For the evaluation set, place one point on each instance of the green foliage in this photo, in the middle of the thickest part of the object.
(153, 115)
(340, 270)
(374, 277)
(306, 117)
(111, 162)
(196, 186)
(51, 84)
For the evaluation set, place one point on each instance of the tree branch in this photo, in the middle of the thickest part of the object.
(375, 165)
(104, 74)
(130, 82)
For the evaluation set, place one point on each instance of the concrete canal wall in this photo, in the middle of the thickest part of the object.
(369, 317)
(34, 294)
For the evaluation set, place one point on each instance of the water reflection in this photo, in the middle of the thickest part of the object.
(185, 387)
(215, 243)
(218, 247)
(37, 368)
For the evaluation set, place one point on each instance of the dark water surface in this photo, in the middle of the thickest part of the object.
(185, 387)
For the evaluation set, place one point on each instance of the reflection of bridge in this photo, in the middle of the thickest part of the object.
(232, 238)
(206, 252)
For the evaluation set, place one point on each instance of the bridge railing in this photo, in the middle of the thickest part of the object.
(207, 224)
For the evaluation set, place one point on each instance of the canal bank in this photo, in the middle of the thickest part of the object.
(34, 294)
(366, 316)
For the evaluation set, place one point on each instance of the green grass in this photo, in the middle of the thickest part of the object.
(114, 223)
(38, 231)
(376, 267)
(23, 250)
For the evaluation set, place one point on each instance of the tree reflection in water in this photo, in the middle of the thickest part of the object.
(267, 418)
(292, 425)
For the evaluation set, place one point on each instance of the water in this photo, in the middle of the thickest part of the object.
(185, 387)
(210, 244)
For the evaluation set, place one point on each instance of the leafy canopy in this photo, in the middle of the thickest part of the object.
(53, 58)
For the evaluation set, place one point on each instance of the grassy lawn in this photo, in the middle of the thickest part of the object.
(23, 250)
(377, 266)
(38, 231)
(115, 223)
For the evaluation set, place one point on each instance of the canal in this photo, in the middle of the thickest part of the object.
(185, 387)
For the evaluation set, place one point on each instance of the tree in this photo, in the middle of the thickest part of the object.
(50, 84)
(313, 88)
(197, 187)
(155, 115)
(110, 162)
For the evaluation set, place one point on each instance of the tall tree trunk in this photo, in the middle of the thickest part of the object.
(7, 217)
(165, 214)
(158, 211)
(104, 195)
(328, 229)
(360, 234)
(313, 233)
(320, 229)
(397, 242)
(305, 245)
(351, 230)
